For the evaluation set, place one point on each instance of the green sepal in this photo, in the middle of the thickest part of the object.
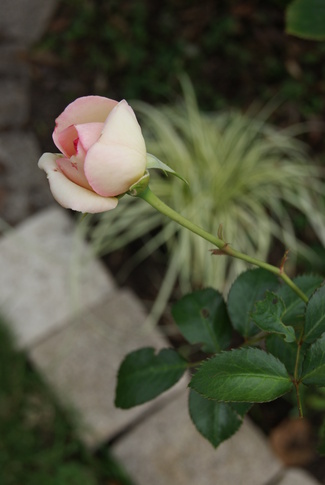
(154, 162)
(140, 185)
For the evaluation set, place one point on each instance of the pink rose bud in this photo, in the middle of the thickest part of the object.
(103, 154)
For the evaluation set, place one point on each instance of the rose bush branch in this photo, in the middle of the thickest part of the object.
(223, 246)
(103, 154)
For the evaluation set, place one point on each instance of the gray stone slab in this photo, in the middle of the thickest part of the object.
(13, 61)
(81, 362)
(14, 87)
(23, 187)
(296, 476)
(47, 276)
(14, 103)
(25, 21)
(167, 449)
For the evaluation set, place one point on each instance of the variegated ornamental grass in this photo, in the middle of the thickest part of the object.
(245, 177)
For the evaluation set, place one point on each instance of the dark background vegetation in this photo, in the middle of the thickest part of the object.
(235, 51)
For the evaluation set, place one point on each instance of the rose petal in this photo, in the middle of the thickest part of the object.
(70, 195)
(118, 159)
(86, 109)
(122, 128)
(65, 141)
(73, 169)
(89, 133)
(111, 170)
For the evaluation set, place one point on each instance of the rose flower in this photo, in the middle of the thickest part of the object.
(102, 150)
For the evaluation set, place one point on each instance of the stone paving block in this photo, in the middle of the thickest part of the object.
(14, 87)
(47, 276)
(23, 187)
(25, 21)
(12, 61)
(296, 476)
(167, 449)
(14, 103)
(81, 362)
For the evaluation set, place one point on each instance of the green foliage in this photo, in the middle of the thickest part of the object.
(306, 19)
(268, 316)
(248, 288)
(38, 441)
(282, 350)
(143, 375)
(315, 316)
(202, 318)
(295, 307)
(313, 371)
(242, 375)
(214, 420)
(282, 359)
(242, 173)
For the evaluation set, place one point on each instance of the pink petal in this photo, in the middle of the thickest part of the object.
(70, 195)
(89, 133)
(65, 141)
(111, 170)
(73, 169)
(87, 109)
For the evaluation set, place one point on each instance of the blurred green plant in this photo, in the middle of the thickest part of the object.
(38, 444)
(246, 178)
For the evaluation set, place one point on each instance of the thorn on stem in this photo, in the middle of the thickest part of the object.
(283, 261)
(220, 252)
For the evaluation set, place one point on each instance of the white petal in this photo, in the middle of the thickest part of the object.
(122, 128)
(112, 169)
(70, 195)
